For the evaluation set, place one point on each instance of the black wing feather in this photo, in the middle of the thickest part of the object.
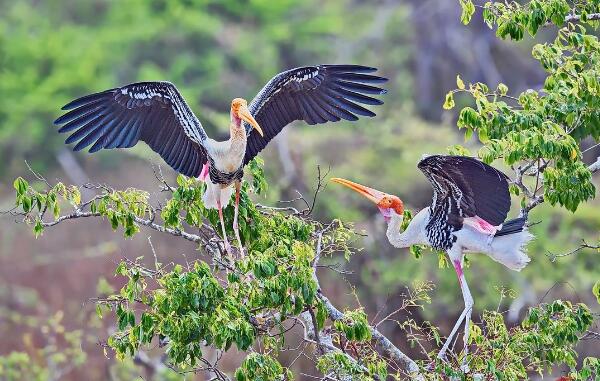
(314, 94)
(477, 188)
(153, 112)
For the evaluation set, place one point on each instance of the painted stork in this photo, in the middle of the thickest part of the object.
(470, 203)
(157, 114)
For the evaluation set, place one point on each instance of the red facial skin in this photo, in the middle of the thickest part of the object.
(388, 204)
(385, 202)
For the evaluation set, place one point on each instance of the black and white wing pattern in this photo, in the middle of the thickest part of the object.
(314, 94)
(153, 112)
(463, 188)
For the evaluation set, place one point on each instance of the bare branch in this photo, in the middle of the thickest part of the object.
(575, 18)
(383, 343)
(409, 366)
(584, 245)
(595, 167)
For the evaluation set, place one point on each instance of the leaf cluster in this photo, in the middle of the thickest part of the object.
(262, 368)
(541, 129)
(546, 338)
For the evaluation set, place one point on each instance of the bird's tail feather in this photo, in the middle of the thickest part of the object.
(513, 226)
(509, 248)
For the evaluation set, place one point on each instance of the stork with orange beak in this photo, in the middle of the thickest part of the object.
(470, 203)
(156, 113)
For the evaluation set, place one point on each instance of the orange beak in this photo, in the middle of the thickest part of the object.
(244, 114)
(372, 194)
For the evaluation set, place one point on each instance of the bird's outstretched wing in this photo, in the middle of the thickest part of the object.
(153, 112)
(465, 187)
(315, 94)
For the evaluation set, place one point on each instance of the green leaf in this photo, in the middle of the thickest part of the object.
(26, 203)
(20, 185)
(38, 228)
(468, 9)
(459, 82)
(449, 103)
(596, 291)
(483, 135)
(468, 134)
(502, 89)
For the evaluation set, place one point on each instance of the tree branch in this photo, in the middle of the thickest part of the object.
(593, 168)
(382, 343)
(584, 245)
(592, 16)
(141, 221)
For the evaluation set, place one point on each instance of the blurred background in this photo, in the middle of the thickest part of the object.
(214, 50)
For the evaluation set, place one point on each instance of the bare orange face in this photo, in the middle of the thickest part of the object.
(237, 104)
(390, 201)
(385, 202)
(239, 109)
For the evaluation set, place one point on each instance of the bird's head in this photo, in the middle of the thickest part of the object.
(387, 203)
(240, 111)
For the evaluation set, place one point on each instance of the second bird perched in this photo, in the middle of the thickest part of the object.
(470, 203)
(157, 114)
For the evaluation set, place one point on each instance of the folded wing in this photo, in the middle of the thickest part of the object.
(467, 187)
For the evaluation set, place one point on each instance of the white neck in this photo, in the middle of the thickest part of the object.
(229, 154)
(414, 233)
(238, 137)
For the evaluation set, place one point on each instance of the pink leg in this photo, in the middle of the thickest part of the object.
(235, 218)
(455, 255)
(204, 173)
(225, 240)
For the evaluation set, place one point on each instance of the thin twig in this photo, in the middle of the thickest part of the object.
(584, 245)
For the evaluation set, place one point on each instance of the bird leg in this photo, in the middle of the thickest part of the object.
(235, 217)
(465, 315)
(225, 240)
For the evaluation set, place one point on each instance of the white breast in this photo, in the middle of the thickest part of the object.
(227, 156)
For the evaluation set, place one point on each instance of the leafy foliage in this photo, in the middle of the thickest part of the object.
(262, 368)
(251, 302)
(542, 128)
(546, 338)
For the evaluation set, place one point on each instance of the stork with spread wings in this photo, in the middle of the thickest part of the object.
(157, 114)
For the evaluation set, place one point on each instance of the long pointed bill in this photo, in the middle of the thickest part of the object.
(245, 115)
(372, 194)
